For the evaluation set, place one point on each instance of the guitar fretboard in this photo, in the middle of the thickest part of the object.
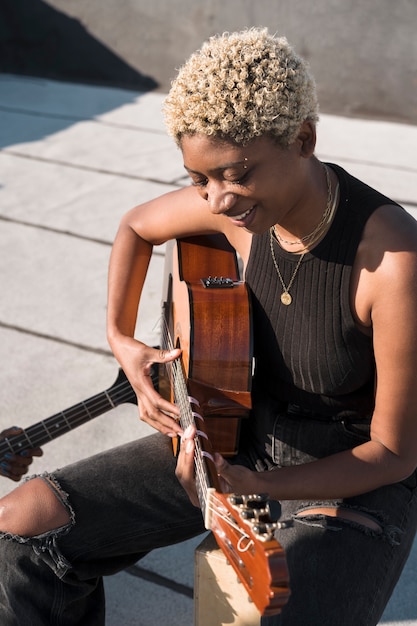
(188, 417)
(68, 419)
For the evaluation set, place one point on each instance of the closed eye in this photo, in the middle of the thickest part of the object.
(203, 182)
(199, 183)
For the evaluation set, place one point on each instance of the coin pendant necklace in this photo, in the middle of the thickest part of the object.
(285, 296)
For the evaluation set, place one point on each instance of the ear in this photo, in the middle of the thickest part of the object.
(306, 139)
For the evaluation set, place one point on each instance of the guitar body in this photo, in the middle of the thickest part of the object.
(211, 324)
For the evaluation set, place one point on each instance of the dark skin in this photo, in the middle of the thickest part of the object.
(14, 466)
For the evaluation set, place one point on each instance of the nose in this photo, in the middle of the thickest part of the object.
(220, 200)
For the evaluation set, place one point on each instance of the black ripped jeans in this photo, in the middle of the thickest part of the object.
(127, 501)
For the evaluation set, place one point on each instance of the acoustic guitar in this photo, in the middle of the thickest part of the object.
(207, 314)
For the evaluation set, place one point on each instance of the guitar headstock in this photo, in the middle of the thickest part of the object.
(121, 391)
(244, 530)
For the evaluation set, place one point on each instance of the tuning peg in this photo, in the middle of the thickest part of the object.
(254, 501)
(267, 529)
(247, 513)
(236, 499)
(257, 501)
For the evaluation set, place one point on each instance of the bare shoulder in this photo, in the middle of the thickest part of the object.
(392, 225)
(389, 245)
(386, 262)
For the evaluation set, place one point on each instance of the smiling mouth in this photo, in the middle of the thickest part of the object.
(242, 216)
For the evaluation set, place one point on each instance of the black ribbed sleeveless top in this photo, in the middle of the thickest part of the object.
(311, 353)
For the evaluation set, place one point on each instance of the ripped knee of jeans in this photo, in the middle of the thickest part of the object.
(336, 516)
(46, 543)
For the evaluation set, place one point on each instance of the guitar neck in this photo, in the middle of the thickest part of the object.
(71, 418)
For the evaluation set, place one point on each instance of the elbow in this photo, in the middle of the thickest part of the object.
(400, 466)
(408, 468)
(395, 461)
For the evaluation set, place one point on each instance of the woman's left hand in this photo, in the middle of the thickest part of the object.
(236, 478)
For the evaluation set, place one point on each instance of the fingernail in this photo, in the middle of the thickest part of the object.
(8, 455)
(5, 465)
(24, 453)
(218, 459)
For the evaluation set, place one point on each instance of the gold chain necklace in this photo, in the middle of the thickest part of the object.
(312, 238)
(307, 239)
(318, 234)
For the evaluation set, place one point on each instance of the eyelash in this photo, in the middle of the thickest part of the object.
(199, 183)
(203, 183)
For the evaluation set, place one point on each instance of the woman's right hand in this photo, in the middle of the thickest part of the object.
(137, 359)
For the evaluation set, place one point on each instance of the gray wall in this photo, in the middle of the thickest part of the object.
(363, 53)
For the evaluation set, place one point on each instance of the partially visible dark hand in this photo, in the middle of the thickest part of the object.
(14, 466)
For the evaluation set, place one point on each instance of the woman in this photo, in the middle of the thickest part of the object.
(331, 265)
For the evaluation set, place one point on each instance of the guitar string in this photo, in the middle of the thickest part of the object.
(186, 415)
(201, 473)
(216, 508)
(35, 435)
(212, 504)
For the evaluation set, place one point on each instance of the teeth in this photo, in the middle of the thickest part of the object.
(242, 215)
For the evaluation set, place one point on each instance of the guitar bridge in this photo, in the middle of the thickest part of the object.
(217, 282)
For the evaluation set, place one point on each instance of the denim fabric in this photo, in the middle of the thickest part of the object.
(127, 501)
(341, 573)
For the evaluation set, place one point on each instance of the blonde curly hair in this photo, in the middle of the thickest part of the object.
(240, 86)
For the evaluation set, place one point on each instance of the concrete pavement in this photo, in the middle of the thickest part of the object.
(73, 159)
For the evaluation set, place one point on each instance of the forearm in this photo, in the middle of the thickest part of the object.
(341, 475)
(128, 266)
